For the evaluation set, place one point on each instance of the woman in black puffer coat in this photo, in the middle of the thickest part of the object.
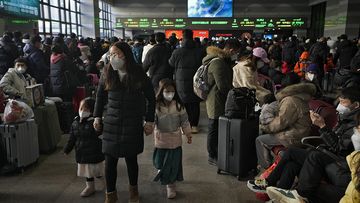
(130, 99)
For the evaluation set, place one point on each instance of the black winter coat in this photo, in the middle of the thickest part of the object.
(86, 142)
(345, 52)
(319, 52)
(37, 66)
(157, 63)
(124, 117)
(186, 60)
(288, 52)
(8, 53)
(339, 139)
(59, 85)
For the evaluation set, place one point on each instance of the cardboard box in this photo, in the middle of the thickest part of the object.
(35, 95)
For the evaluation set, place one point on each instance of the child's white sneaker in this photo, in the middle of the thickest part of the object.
(170, 190)
(89, 189)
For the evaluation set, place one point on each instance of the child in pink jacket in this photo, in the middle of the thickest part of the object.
(170, 123)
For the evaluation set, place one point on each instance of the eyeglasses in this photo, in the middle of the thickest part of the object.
(114, 54)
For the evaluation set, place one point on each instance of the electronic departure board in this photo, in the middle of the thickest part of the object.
(210, 23)
(21, 8)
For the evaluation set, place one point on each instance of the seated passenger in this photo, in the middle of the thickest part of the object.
(311, 76)
(292, 122)
(313, 166)
(245, 73)
(16, 80)
(352, 193)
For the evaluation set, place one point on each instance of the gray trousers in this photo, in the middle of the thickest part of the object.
(264, 144)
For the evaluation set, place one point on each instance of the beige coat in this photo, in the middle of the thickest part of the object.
(244, 76)
(351, 194)
(293, 121)
(169, 125)
(14, 84)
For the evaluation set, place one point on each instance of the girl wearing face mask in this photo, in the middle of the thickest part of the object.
(87, 145)
(171, 121)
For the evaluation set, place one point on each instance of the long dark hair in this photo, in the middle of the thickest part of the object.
(163, 84)
(135, 74)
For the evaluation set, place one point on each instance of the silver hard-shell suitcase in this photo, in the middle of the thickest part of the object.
(20, 142)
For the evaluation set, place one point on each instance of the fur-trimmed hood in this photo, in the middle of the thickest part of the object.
(212, 52)
(303, 91)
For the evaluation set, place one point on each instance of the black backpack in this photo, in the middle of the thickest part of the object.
(240, 103)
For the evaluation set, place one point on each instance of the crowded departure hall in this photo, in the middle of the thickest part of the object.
(193, 101)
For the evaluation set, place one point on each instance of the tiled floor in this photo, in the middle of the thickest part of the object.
(53, 179)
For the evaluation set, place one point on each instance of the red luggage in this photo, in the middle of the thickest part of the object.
(80, 94)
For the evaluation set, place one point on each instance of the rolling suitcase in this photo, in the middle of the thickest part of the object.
(236, 145)
(20, 142)
(49, 127)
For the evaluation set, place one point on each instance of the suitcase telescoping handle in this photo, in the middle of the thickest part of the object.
(231, 146)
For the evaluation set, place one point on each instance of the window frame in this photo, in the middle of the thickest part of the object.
(64, 17)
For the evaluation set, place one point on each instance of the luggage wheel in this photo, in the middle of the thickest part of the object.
(218, 171)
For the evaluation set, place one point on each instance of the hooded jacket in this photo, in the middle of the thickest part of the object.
(244, 76)
(293, 120)
(351, 194)
(219, 79)
(186, 60)
(303, 63)
(86, 142)
(59, 64)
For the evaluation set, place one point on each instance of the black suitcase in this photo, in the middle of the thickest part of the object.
(66, 115)
(236, 146)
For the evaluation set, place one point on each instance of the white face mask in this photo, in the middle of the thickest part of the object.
(355, 138)
(260, 64)
(117, 63)
(310, 76)
(84, 114)
(20, 69)
(342, 109)
(169, 95)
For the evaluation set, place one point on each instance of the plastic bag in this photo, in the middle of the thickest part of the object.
(17, 111)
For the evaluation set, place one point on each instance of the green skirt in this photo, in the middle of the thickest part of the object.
(169, 164)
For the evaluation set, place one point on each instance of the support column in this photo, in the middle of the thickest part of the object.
(342, 17)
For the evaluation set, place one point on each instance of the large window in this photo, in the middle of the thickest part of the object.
(59, 16)
(105, 20)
